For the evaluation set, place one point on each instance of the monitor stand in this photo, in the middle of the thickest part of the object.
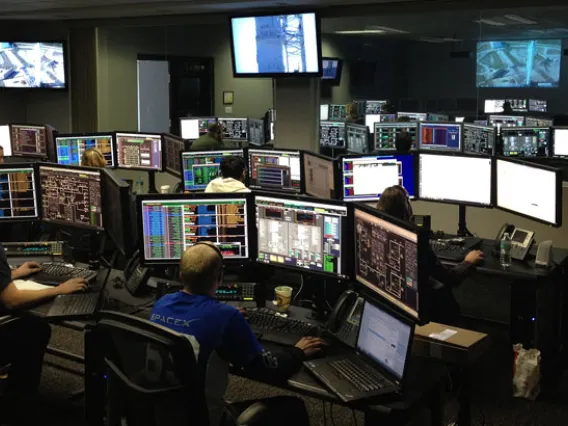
(82, 246)
(462, 226)
(152, 183)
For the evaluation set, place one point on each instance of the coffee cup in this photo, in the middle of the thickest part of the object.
(282, 298)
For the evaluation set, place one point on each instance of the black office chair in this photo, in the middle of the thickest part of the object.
(151, 373)
(5, 368)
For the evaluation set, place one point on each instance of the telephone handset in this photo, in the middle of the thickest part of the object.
(345, 318)
(135, 276)
(521, 240)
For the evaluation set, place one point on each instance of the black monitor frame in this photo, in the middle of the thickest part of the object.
(337, 148)
(34, 157)
(37, 190)
(302, 189)
(143, 169)
(550, 147)
(426, 123)
(179, 139)
(335, 165)
(263, 121)
(251, 226)
(394, 125)
(370, 145)
(332, 81)
(496, 141)
(553, 141)
(84, 135)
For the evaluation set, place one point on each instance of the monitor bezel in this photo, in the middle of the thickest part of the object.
(447, 116)
(400, 124)
(346, 235)
(491, 123)
(34, 157)
(251, 226)
(553, 138)
(558, 175)
(181, 119)
(51, 134)
(456, 202)
(281, 74)
(338, 148)
(177, 138)
(507, 128)
(429, 123)
(302, 189)
(37, 189)
(360, 127)
(496, 140)
(332, 81)
(80, 135)
(219, 119)
(423, 276)
(334, 163)
(144, 169)
(402, 114)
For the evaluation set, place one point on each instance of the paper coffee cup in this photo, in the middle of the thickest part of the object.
(282, 298)
(165, 189)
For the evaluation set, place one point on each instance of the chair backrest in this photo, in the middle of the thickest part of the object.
(5, 368)
(151, 373)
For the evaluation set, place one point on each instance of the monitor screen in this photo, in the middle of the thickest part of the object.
(337, 113)
(171, 224)
(560, 137)
(506, 120)
(365, 178)
(116, 211)
(438, 117)
(70, 148)
(324, 112)
(235, 129)
(193, 128)
(319, 176)
(541, 191)
(275, 170)
(413, 116)
(386, 133)
(302, 234)
(387, 260)
(478, 139)
(440, 136)
(525, 141)
(71, 196)
(448, 178)
(460, 119)
(538, 122)
(275, 45)
(28, 140)
(6, 140)
(481, 122)
(331, 69)
(519, 63)
(139, 151)
(256, 132)
(357, 139)
(173, 147)
(536, 105)
(332, 134)
(201, 167)
(28, 65)
(18, 197)
(375, 107)
(371, 119)
(494, 106)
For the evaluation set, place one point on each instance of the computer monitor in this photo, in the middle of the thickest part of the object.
(541, 198)
(194, 127)
(331, 71)
(364, 178)
(460, 119)
(6, 140)
(391, 261)
(141, 151)
(440, 136)
(201, 167)
(538, 122)
(413, 116)
(51, 133)
(371, 119)
(172, 223)
(173, 147)
(304, 234)
(497, 105)
(324, 112)
(275, 170)
(478, 139)
(386, 133)
(438, 117)
(538, 105)
(116, 211)
(375, 107)
(451, 178)
(319, 176)
(525, 141)
(69, 148)
(28, 140)
(506, 120)
(560, 141)
(256, 132)
(18, 193)
(332, 134)
(357, 138)
(337, 112)
(235, 129)
(481, 122)
(71, 196)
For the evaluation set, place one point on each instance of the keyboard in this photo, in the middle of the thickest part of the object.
(55, 273)
(276, 329)
(363, 379)
(453, 252)
(74, 304)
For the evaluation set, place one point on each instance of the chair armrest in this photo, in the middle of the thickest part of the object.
(253, 415)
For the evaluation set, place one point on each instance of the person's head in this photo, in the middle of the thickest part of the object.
(1, 155)
(216, 131)
(507, 108)
(92, 157)
(394, 201)
(201, 269)
(233, 167)
(403, 141)
(403, 119)
(351, 110)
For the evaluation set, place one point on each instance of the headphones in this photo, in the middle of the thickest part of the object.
(213, 246)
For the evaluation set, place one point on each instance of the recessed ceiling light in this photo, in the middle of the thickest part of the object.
(520, 19)
(389, 30)
(353, 32)
(490, 22)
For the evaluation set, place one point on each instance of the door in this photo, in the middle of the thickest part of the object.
(153, 96)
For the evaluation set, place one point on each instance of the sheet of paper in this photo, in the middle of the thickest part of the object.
(29, 285)
(443, 335)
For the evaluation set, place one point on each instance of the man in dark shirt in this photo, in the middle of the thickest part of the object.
(221, 330)
(213, 139)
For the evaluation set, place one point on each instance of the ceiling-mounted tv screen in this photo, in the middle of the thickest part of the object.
(29, 65)
(519, 63)
(276, 45)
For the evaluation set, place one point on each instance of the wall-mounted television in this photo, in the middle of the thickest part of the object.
(519, 63)
(276, 45)
(331, 71)
(32, 65)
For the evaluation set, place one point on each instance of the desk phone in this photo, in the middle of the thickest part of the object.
(345, 318)
(522, 241)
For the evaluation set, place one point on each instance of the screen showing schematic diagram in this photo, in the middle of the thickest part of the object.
(235, 129)
(70, 148)
(387, 132)
(337, 113)
(375, 107)
(478, 139)
(301, 234)
(139, 151)
(18, 200)
(440, 136)
(319, 176)
(173, 147)
(71, 196)
(28, 141)
(525, 141)
(387, 260)
(357, 138)
(170, 226)
(257, 133)
(201, 167)
(277, 170)
(332, 134)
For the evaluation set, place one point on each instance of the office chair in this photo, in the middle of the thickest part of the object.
(5, 368)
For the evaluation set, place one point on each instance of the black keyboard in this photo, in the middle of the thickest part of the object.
(273, 328)
(363, 379)
(74, 304)
(454, 252)
(55, 273)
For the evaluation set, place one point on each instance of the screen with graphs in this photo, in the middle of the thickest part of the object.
(70, 149)
(18, 200)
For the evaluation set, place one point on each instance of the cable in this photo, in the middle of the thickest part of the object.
(331, 413)
(324, 416)
(354, 417)
(301, 288)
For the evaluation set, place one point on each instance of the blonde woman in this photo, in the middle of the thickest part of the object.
(93, 158)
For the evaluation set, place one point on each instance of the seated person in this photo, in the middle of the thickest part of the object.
(220, 330)
(213, 139)
(445, 309)
(233, 176)
(403, 142)
(93, 157)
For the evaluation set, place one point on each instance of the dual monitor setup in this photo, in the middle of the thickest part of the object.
(250, 130)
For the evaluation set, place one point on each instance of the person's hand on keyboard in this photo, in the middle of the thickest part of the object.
(243, 311)
(26, 269)
(311, 345)
(474, 257)
(72, 286)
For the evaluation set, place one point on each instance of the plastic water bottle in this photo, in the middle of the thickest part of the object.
(505, 252)
(139, 185)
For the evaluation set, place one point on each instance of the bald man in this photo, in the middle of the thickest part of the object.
(221, 329)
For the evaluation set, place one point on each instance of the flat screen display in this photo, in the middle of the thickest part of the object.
(519, 63)
(275, 45)
(28, 65)
(330, 68)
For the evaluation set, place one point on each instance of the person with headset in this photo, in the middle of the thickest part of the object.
(93, 157)
(233, 175)
(220, 333)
